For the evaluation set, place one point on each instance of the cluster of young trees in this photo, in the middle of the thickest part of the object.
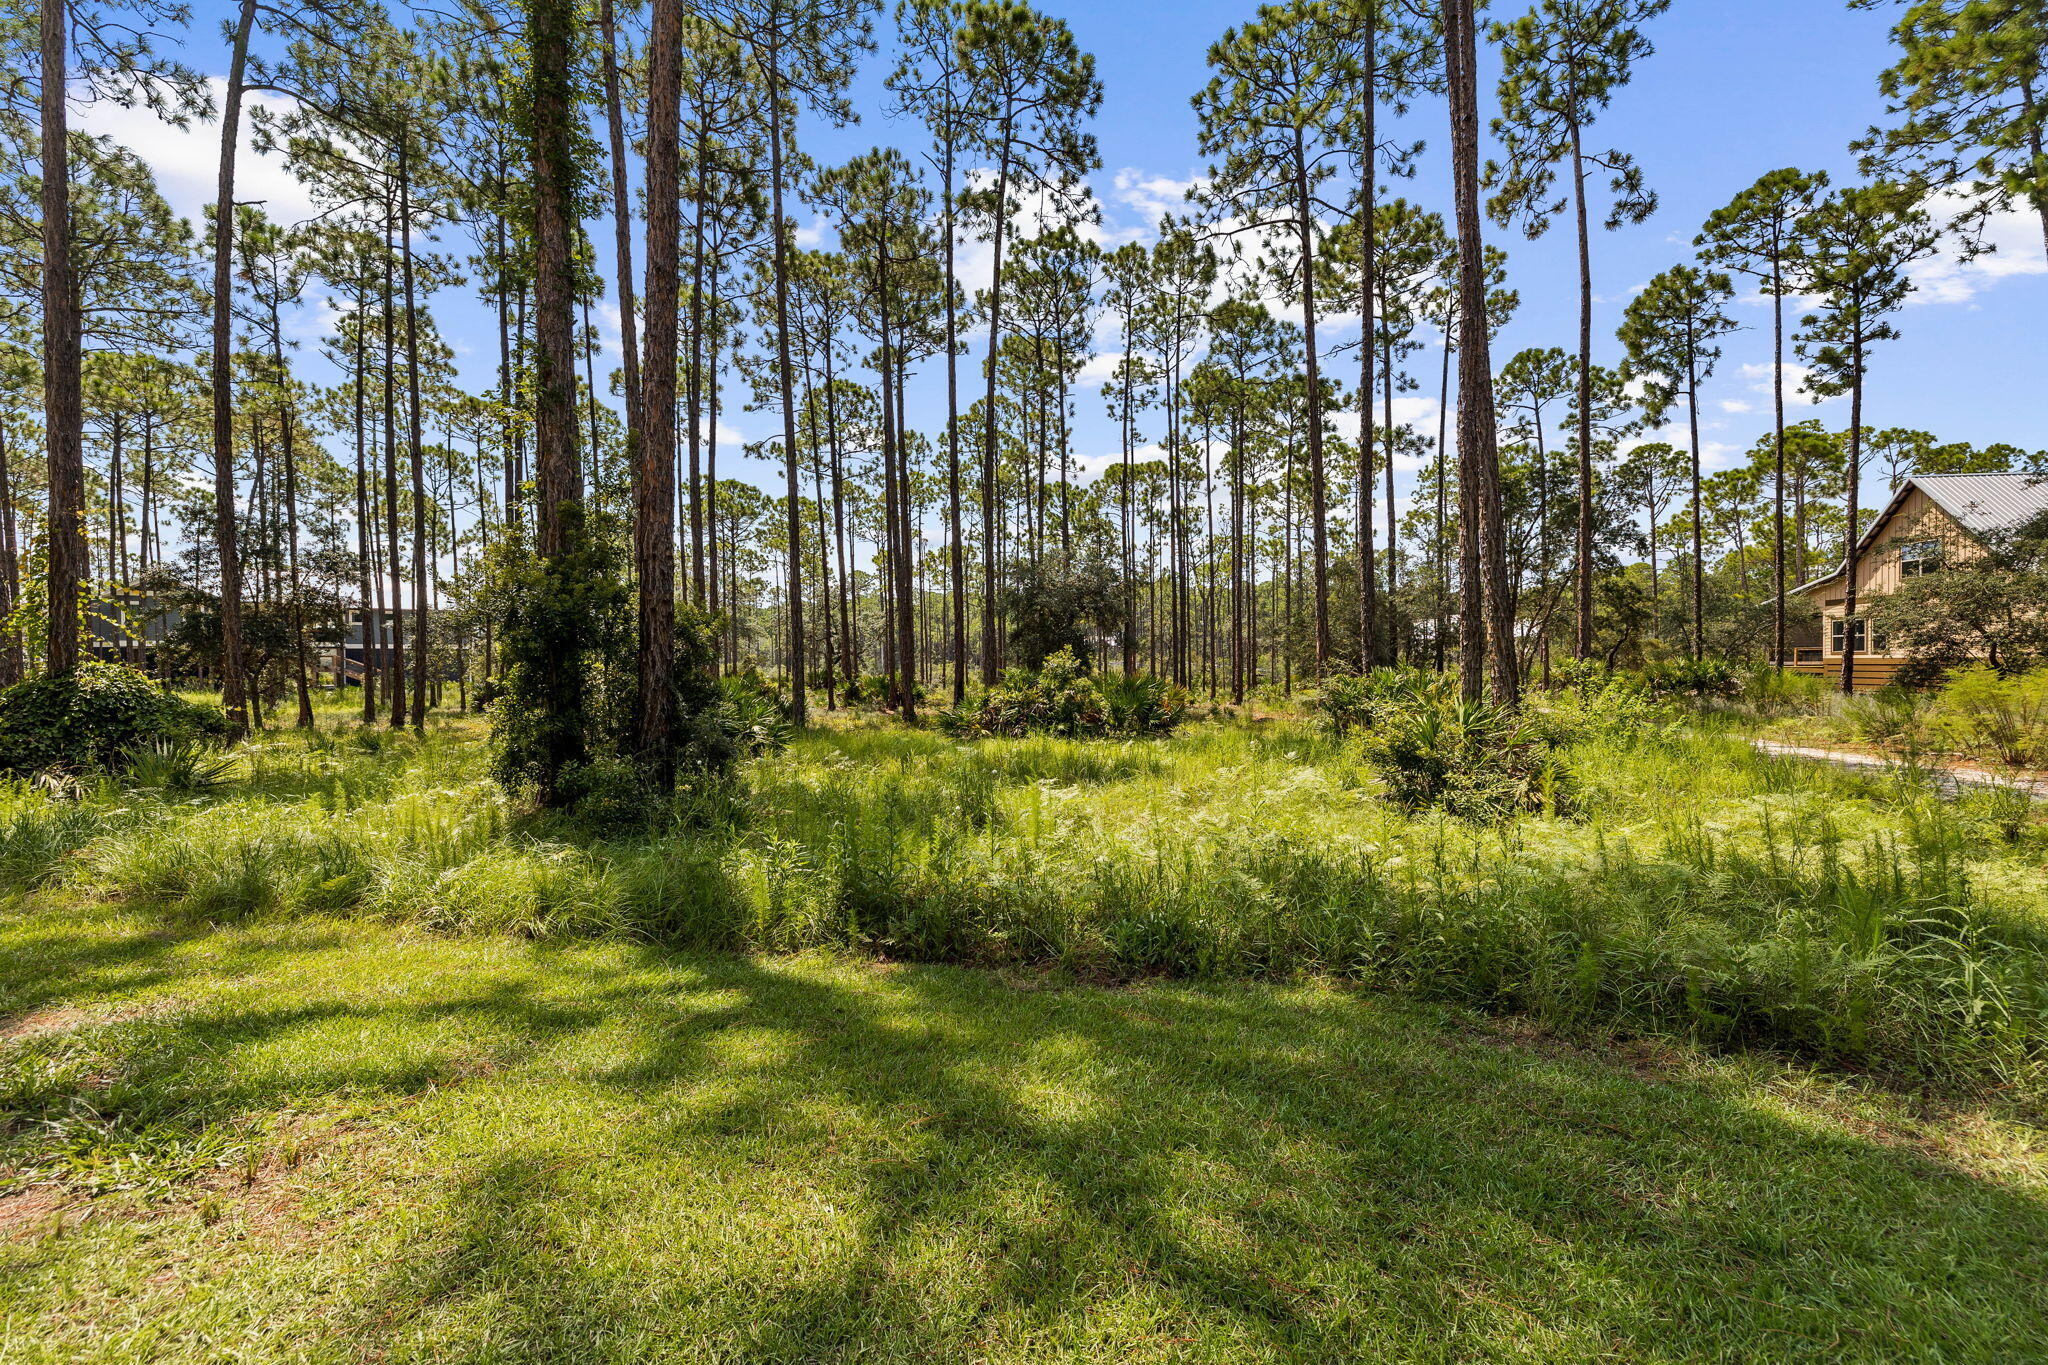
(558, 163)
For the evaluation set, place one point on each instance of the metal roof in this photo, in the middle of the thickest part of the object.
(1982, 504)
(1986, 503)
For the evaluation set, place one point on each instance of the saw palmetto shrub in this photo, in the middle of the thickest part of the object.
(1062, 698)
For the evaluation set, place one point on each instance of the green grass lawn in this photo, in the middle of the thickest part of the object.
(335, 1140)
(346, 1058)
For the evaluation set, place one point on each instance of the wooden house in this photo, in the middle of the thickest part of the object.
(1932, 520)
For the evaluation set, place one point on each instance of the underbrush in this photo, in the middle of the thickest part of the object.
(1693, 887)
(1065, 700)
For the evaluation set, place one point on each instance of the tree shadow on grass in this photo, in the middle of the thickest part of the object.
(638, 1154)
(1177, 1173)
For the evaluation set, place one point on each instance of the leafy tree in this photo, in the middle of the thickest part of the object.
(1486, 622)
(1032, 87)
(1271, 120)
(1061, 602)
(800, 53)
(1970, 92)
(87, 51)
(931, 82)
(1983, 605)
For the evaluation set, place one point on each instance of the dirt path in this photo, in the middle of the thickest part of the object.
(1950, 777)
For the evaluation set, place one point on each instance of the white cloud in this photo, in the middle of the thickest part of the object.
(1796, 376)
(1152, 196)
(1100, 368)
(2015, 241)
(186, 161)
(1737, 405)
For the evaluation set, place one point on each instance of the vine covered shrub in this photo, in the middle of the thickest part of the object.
(562, 720)
(1063, 699)
(94, 717)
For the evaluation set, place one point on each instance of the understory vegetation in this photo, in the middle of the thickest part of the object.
(1685, 885)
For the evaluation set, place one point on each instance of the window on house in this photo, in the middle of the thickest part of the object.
(1917, 557)
(1838, 632)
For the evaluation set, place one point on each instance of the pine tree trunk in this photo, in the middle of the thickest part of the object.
(653, 450)
(783, 370)
(394, 620)
(416, 452)
(990, 454)
(1582, 568)
(1778, 646)
(1478, 454)
(1368, 289)
(622, 220)
(1853, 477)
(558, 475)
(1699, 571)
(1318, 494)
(233, 685)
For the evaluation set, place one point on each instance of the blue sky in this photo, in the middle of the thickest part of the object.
(1735, 88)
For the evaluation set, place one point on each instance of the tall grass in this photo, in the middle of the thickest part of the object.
(1704, 890)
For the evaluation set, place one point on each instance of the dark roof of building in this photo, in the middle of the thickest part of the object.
(1982, 504)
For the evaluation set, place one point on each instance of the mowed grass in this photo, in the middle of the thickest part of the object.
(328, 1139)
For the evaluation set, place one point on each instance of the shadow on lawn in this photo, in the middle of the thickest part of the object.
(1310, 1182)
(1170, 1172)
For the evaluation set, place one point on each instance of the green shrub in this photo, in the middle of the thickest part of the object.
(1593, 703)
(752, 714)
(178, 765)
(1997, 719)
(1896, 719)
(1469, 759)
(1355, 701)
(94, 718)
(1063, 699)
(1693, 677)
(1773, 691)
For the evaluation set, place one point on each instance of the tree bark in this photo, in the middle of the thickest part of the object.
(1317, 493)
(1479, 457)
(233, 685)
(653, 450)
(622, 219)
(783, 370)
(990, 455)
(558, 475)
(1582, 568)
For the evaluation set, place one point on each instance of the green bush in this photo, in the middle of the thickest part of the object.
(1595, 703)
(1466, 758)
(1354, 701)
(94, 718)
(1693, 677)
(752, 715)
(1997, 719)
(1063, 699)
(1773, 691)
(1897, 719)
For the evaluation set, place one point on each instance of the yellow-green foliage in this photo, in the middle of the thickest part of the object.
(1695, 887)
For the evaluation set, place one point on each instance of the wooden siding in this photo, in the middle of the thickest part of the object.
(1877, 575)
(1872, 670)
